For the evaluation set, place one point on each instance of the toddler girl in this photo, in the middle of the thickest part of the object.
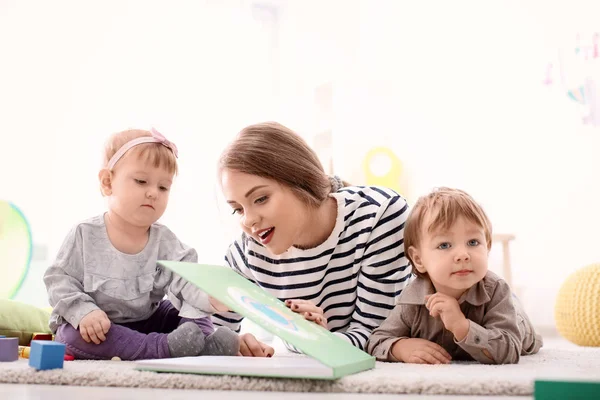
(106, 287)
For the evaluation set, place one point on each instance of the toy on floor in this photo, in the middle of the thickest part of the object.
(46, 354)
(559, 390)
(577, 310)
(24, 352)
(42, 336)
(9, 349)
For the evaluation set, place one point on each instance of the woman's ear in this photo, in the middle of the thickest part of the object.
(415, 256)
(105, 178)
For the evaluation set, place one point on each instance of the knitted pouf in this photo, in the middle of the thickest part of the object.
(577, 310)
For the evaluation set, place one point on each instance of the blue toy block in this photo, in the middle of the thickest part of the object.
(9, 349)
(45, 354)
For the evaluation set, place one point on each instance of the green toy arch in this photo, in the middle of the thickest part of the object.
(16, 246)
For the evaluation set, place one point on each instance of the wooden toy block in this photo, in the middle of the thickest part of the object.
(42, 336)
(9, 349)
(24, 351)
(45, 354)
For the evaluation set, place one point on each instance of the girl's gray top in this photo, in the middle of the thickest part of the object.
(90, 273)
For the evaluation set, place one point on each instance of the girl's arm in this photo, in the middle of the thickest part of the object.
(64, 281)
(235, 259)
(185, 296)
(384, 272)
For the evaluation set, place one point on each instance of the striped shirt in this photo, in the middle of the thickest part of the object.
(355, 276)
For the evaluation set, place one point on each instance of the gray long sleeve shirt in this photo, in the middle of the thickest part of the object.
(497, 324)
(90, 274)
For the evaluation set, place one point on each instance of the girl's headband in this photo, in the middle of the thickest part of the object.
(156, 137)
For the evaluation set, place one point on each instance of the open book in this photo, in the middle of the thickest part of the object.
(328, 356)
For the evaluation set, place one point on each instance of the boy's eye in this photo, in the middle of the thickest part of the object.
(140, 181)
(444, 246)
(164, 188)
(261, 200)
(473, 242)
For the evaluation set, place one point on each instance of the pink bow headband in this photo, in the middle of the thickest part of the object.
(156, 137)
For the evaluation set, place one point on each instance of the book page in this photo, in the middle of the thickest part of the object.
(297, 366)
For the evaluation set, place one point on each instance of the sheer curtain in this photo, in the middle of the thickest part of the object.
(74, 72)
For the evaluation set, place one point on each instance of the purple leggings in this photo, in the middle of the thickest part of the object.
(132, 340)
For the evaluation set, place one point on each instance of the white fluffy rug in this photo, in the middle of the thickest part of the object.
(563, 361)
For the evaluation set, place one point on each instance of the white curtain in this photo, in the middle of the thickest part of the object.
(73, 72)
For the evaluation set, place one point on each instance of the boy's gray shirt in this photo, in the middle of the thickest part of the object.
(90, 273)
(497, 324)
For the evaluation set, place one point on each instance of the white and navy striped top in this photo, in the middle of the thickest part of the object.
(355, 275)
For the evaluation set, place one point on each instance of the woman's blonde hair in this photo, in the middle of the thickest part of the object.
(155, 154)
(272, 151)
(444, 206)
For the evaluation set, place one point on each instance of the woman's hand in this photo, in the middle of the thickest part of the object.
(94, 326)
(251, 347)
(309, 310)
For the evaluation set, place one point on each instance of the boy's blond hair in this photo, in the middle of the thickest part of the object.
(154, 153)
(444, 205)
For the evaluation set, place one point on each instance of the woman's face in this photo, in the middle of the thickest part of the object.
(268, 211)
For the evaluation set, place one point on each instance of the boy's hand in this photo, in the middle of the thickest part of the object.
(308, 310)
(420, 351)
(448, 310)
(217, 305)
(94, 326)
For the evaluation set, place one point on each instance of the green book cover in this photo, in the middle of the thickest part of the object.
(566, 389)
(242, 296)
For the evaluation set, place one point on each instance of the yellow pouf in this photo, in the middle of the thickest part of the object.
(577, 310)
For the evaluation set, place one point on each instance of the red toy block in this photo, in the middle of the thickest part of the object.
(42, 336)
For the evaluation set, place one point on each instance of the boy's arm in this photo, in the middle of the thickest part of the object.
(498, 339)
(64, 282)
(387, 334)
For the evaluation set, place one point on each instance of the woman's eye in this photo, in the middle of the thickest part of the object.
(473, 242)
(236, 211)
(444, 246)
(140, 181)
(261, 200)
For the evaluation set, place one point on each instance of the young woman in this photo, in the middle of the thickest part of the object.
(334, 253)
